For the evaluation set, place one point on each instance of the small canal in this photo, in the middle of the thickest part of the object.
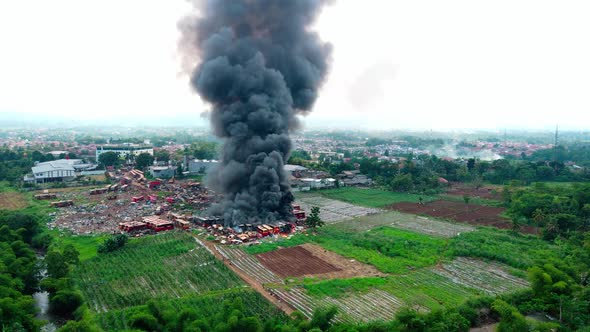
(42, 303)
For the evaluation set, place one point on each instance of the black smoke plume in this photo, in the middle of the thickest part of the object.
(259, 66)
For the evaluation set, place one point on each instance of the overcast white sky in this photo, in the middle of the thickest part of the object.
(397, 64)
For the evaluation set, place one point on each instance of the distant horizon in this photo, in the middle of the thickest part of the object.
(204, 125)
(401, 65)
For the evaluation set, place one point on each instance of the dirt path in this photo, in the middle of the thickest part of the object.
(286, 308)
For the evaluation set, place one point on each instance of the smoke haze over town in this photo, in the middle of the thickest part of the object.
(433, 65)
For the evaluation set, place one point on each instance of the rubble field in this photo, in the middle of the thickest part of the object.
(99, 210)
(332, 211)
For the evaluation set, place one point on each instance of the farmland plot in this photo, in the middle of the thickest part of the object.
(332, 210)
(295, 262)
(405, 221)
(249, 264)
(474, 214)
(487, 277)
(169, 265)
(373, 305)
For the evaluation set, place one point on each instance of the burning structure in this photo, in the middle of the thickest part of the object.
(260, 65)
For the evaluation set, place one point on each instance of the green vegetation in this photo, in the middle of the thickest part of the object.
(341, 287)
(561, 211)
(388, 249)
(267, 246)
(113, 243)
(370, 197)
(161, 266)
(514, 249)
(314, 221)
(207, 307)
(426, 289)
(18, 270)
(86, 245)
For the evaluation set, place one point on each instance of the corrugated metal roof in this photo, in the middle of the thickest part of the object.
(56, 165)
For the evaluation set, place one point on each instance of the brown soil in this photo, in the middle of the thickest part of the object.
(479, 215)
(295, 262)
(312, 260)
(348, 267)
(460, 189)
(12, 201)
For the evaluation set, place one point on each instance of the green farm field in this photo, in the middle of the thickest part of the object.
(433, 265)
(396, 249)
(375, 198)
(168, 265)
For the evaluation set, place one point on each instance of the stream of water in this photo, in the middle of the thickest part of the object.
(42, 304)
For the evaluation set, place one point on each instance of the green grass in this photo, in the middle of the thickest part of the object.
(162, 266)
(85, 244)
(268, 245)
(421, 288)
(342, 287)
(426, 289)
(370, 197)
(517, 250)
(390, 250)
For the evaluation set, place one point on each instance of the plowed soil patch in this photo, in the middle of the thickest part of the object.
(474, 214)
(484, 192)
(295, 262)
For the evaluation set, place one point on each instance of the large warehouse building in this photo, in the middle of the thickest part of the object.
(54, 171)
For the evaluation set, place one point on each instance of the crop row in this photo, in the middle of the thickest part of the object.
(490, 278)
(373, 305)
(249, 264)
(166, 265)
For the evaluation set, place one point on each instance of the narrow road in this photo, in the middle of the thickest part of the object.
(249, 280)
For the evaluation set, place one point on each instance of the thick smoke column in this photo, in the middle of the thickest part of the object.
(260, 65)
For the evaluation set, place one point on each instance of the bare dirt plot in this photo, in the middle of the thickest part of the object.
(332, 211)
(12, 201)
(406, 221)
(460, 189)
(295, 262)
(488, 277)
(473, 214)
(348, 268)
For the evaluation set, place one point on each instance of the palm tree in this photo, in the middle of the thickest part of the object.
(539, 216)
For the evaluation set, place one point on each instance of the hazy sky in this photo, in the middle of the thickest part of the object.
(397, 64)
